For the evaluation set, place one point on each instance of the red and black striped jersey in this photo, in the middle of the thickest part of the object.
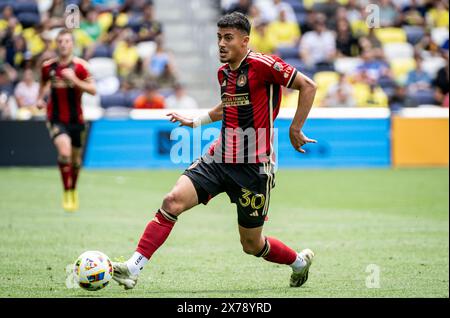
(251, 96)
(64, 104)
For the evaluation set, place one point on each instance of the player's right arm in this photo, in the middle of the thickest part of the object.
(44, 85)
(213, 115)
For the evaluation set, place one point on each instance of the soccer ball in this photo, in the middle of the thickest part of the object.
(93, 270)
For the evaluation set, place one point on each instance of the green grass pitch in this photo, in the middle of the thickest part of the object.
(396, 219)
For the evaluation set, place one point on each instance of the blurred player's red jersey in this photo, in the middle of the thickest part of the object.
(64, 105)
(251, 97)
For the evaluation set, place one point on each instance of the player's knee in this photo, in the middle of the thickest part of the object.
(250, 246)
(173, 204)
(64, 159)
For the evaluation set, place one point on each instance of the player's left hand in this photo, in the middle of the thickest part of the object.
(69, 74)
(298, 139)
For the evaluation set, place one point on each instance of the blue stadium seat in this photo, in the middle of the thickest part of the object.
(413, 33)
(116, 99)
(5, 3)
(423, 97)
(288, 52)
(28, 6)
(301, 17)
(29, 19)
(297, 6)
(386, 82)
(131, 96)
(76, 2)
(102, 51)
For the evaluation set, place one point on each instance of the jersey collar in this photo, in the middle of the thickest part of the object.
(240, 63)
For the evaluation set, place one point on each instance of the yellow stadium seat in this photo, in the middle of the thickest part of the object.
(390, 35)
(324, 80)
(364, 98)
(309, 3)
(401, 67)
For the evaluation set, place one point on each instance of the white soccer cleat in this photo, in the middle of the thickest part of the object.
(123, 276)
(300, 277)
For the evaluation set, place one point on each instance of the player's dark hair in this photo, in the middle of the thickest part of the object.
(235, 20)
(65, 31)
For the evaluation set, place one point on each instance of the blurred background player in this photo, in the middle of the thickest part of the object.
(68, 78)
(251, 95)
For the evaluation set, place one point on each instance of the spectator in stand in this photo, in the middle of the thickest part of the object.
(90, 24)
(318, 47)
(283, 32)
(149, 28)
(389, 15)
(308, 24)
(427, 44)
(272, 12)
(242, 6)
(413, 13)
(27, 91)
(150, 99)
(56, 14)
(6, 91)
(9, 21)
(418, 79)
(180, 100)
(339, 94)
(437, 17)
(346, 43)
(125, 54)
(260, 41)
(441, 82)
(137, 78)
(161, 67)
(329, 9)
(372, 69)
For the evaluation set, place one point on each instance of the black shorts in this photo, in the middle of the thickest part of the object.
(76, 132)
(247, 185)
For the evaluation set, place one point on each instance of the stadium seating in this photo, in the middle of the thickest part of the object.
(391, 35)
(413, 33)
(398, 50)
(347, 65)
(432, 64)
(116, 99)
(102, 50)
(102, 67)
(324, 80)
(108, 85)
(28, 19)
(146, 49)
(288, 52)
(401, 67)
(439, 35)
(423, 97)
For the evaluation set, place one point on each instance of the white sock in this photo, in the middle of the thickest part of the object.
(299, 263)
(136, 263)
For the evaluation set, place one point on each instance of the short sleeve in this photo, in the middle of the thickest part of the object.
(275, 70)
(83, 72)
(45, 73)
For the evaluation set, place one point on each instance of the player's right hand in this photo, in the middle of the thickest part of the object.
(41, 103)
(184, 121)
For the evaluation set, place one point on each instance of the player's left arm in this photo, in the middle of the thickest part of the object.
(307, 90)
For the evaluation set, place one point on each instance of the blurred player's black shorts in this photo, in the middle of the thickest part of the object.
(247, 184)
(76, 132)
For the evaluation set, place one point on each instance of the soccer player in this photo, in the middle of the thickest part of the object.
(251, 94)
(68, 78)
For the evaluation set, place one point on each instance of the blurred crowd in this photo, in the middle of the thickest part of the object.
(123, 41)
(382, 53)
